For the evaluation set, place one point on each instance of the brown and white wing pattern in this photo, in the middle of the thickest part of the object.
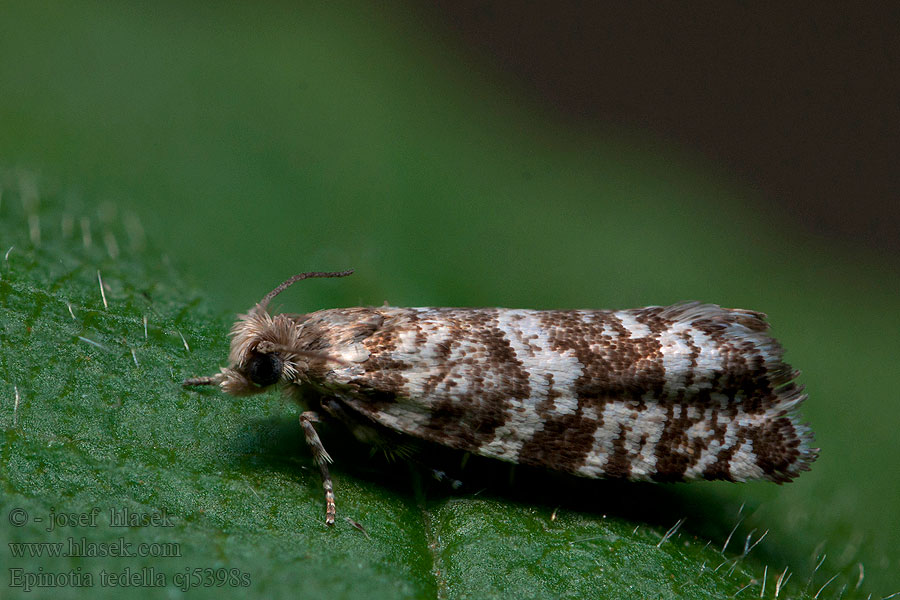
(690, 391)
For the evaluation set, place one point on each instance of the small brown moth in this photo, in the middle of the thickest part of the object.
(688, 391)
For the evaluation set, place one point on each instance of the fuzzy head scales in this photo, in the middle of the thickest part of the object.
(259, 333)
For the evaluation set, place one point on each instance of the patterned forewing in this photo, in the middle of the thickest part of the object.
(682, 392)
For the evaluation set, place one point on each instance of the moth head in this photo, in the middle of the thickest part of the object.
(259, 356)
(264, 348)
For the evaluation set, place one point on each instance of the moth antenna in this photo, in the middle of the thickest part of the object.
(288, 283)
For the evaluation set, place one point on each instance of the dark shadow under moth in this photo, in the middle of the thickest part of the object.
(675, 393)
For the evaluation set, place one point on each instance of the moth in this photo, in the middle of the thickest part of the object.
(675, 393)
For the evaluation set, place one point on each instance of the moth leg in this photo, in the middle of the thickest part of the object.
(198, 381)
(363, 432)
(322, 459)
(442, 477)
(393, 446)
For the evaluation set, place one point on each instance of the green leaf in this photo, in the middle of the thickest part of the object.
(96, 427)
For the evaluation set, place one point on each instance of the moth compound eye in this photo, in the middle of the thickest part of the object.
(264, 369)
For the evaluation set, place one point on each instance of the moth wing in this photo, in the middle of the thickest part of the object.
(682, 392)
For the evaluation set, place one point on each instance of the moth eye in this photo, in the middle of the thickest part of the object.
(264, 369)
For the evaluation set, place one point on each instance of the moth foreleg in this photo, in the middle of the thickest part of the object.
(198, 381)
(322, 459)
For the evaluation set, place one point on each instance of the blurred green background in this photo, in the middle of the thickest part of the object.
(244, 143)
